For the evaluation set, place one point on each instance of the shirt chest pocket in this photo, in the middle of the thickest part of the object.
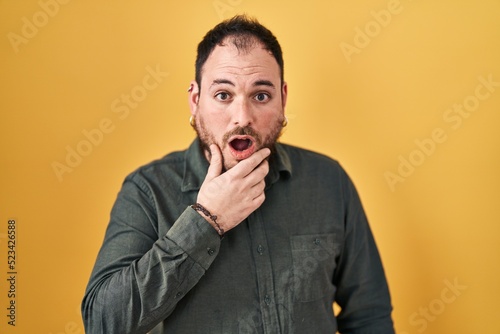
(314, 263)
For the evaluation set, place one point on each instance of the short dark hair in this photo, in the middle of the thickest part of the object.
(245, 31)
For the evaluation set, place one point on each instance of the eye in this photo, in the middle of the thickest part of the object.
(262, 97)
(222, 96)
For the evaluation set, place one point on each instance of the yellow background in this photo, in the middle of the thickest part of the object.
(367, 109)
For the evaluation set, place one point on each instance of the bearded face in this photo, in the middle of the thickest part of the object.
(241, 142)
(240, 104)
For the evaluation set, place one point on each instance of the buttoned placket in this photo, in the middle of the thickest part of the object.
(264, 273)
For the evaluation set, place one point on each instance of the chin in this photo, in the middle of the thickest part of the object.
(229, 165)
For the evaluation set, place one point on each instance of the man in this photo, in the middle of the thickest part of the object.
(239, 233)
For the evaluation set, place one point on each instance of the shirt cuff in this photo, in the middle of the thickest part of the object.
(196, 237)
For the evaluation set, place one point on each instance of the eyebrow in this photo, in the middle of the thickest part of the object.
(222, 81)
(264, 83)
(255, 84)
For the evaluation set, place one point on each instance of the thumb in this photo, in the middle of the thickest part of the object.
(215, 167)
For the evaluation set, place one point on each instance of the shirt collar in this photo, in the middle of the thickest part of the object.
(279, 165)
(196, 166)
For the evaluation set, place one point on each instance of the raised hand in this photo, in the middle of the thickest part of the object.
(235, 194)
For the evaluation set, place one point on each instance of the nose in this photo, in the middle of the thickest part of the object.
(242, 113)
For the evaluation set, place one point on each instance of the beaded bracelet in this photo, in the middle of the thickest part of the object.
(201, 208)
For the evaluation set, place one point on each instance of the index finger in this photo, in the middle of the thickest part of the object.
(245, 167)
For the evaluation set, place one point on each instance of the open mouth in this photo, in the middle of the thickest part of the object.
(240, 144)
(242, 147)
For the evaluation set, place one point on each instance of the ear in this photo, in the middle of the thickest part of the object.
(193, 98)
(284, 94)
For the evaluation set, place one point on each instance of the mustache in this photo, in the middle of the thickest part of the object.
(242, 131)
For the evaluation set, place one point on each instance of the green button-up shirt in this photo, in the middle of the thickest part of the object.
(163, 269)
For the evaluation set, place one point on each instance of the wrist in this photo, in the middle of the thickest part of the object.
(212, 219)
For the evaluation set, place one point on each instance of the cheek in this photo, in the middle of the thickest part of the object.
(270, 119)
(214, 123)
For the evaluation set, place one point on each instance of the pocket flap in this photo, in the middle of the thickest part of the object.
(313, 241)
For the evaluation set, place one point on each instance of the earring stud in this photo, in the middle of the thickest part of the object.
(285, 122)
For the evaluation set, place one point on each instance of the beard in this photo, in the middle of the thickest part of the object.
(207, 138)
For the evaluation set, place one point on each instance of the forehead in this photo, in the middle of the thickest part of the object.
(252, 60)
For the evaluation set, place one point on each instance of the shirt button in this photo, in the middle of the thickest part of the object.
(267, 300)
(317, 241)
(210, 251)
(260, 249)
(178, 294)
